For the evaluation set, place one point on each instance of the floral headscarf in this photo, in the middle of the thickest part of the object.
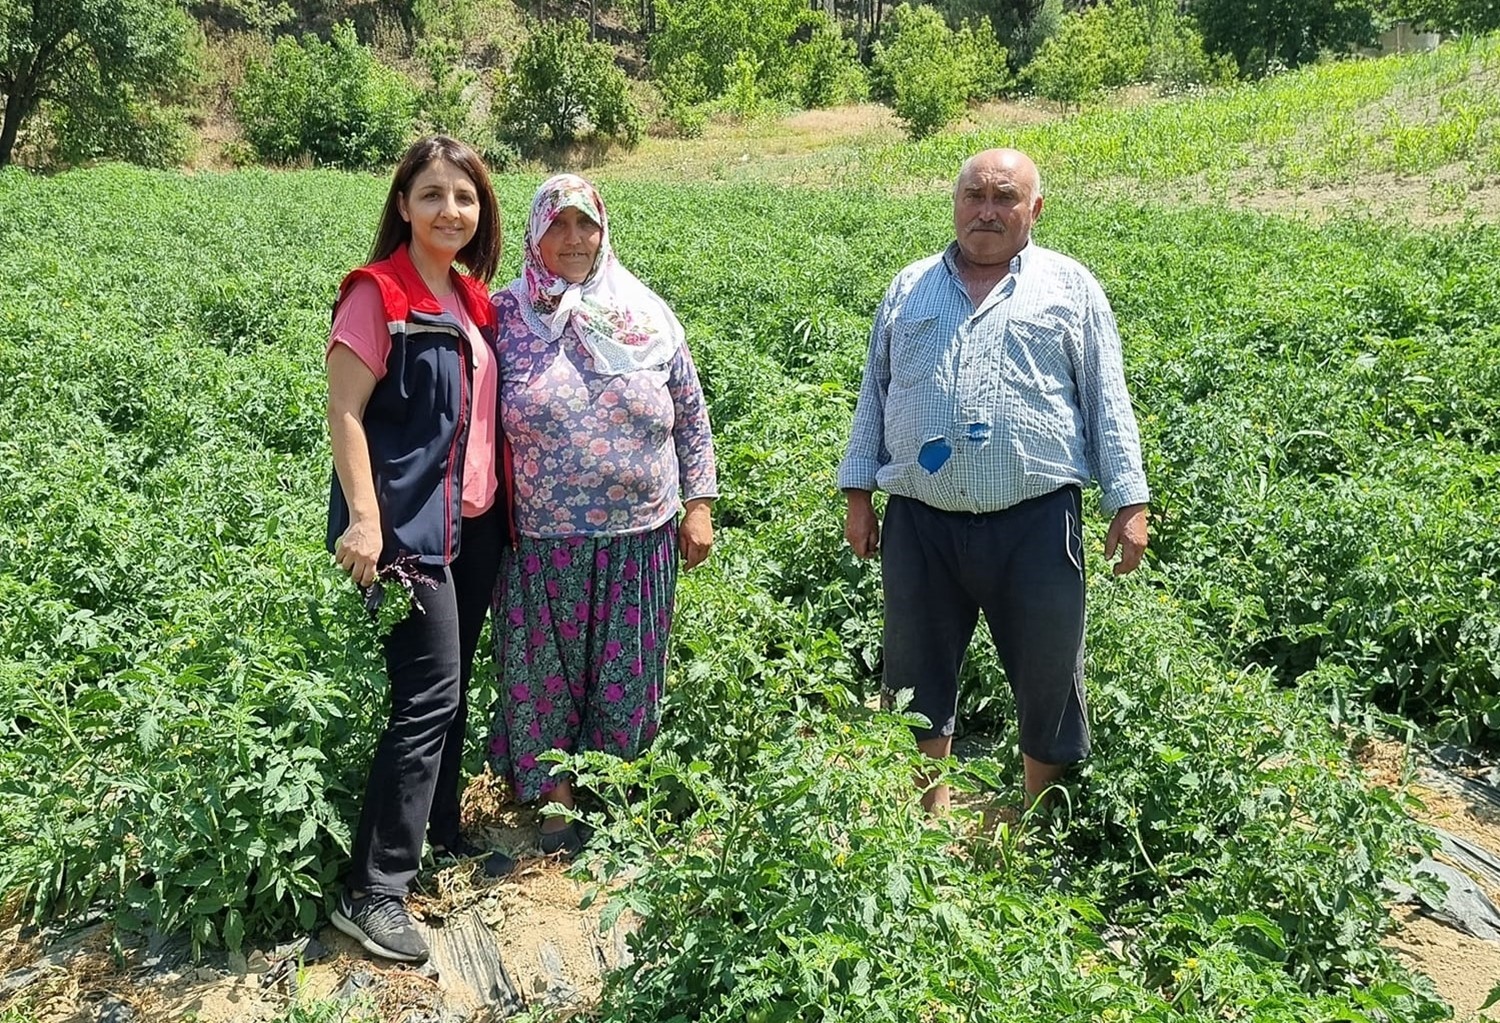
(624, 324)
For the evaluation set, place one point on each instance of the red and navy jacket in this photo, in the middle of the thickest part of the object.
(417, 418)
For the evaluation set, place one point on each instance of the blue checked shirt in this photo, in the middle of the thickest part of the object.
(975, 410)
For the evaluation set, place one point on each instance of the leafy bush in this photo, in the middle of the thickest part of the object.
(928, 72)
(1177, 59)
(698, 42)
(918, 69)
(987, 66)
(742, 94)
(443, 104)
(1120, 43)
(560, 87)
(332, 103)
(825, 68)
(1102, 47)
(683, 94)
(119, 124)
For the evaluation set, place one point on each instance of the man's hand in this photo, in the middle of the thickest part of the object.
(1127, 531)
(695, 537)
(861, 527)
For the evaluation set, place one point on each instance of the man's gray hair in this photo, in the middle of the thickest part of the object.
(963, 172)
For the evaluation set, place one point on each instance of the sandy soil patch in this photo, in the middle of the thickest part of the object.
(1463, 969)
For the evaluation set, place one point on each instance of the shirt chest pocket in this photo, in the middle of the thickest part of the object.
(916, 350)
(1042, 354)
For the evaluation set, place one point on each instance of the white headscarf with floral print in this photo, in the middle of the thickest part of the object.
(624, 324)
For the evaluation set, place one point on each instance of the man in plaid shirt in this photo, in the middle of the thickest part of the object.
(993, 392)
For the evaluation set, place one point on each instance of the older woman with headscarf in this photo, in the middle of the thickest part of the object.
(601, 405)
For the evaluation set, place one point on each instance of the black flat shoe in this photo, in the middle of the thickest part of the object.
(568, 841)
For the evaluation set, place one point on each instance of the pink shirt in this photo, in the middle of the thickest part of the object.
(360, 324)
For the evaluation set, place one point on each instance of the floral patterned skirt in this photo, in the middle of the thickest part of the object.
(580, 629)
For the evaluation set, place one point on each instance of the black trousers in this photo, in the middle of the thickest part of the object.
(414, 780)
(1023, 567)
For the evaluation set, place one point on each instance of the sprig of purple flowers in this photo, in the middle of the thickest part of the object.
(405, 574)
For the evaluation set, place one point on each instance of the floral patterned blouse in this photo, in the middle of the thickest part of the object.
(597, 455)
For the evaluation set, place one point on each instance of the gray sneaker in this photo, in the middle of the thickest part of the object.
(381, 924)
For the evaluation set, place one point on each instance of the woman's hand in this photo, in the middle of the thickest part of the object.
(695, 537)
(357, 551)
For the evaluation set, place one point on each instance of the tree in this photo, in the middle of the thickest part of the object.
(333, 103)
(702, 39)
(1445, 15)
(1122, 43)
(100, 53)
(920, 71)
(1071, 66)
(1262, 34)
(559, 86)
(825, 68)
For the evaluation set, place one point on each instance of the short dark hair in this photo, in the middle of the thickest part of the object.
(481, 257)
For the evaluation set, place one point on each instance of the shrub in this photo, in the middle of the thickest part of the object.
(825, 70)
(121, 124)
(1069, 68)
(443, 103)
(333, 103)
(1118, 44)
(562, 87)
(703, 39)
(930, 99)
(921, 72)
(742, 95)
(986, 68)
(1178, 61)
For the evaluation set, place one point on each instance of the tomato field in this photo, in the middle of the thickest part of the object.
(189, 693)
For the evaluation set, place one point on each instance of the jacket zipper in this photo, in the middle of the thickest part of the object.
(460, 430)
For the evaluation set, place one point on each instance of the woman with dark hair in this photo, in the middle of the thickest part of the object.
(418, 497)
(601, 404)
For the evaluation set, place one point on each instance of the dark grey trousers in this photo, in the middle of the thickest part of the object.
(1023, 567)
